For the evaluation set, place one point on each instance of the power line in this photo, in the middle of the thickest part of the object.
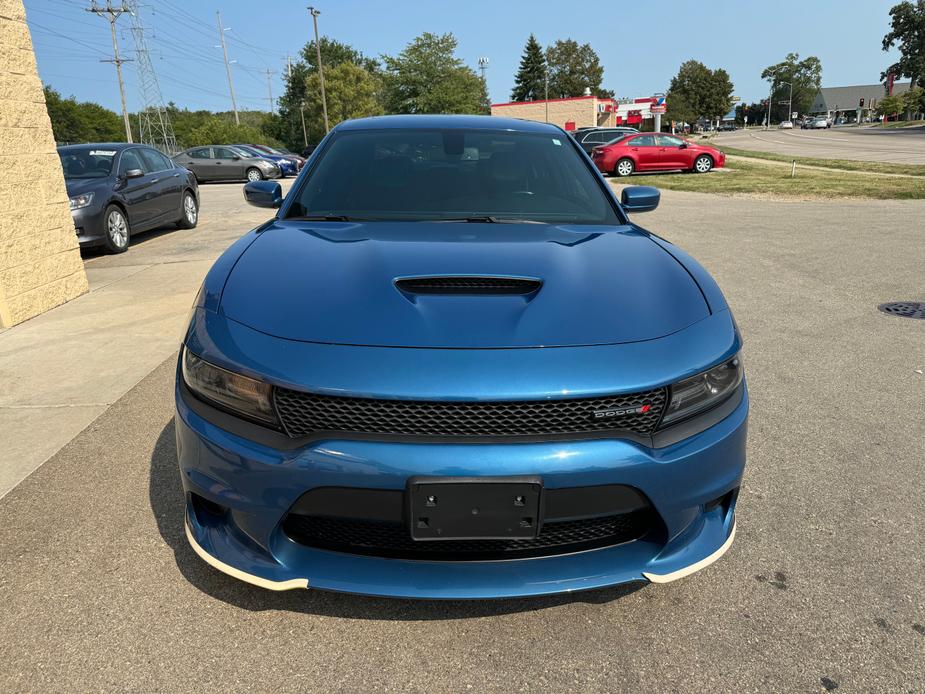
(112, 14)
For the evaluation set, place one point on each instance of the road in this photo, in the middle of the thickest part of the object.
(823, 588)
(899, 145)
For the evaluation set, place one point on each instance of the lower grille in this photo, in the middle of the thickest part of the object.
(304, 414)
(391, 539)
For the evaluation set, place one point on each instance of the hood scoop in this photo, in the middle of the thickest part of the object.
(469, 285)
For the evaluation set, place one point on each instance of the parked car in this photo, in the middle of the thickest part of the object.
(117, 190)
(280, 152)
(590, 138)
(785, 125)
(226, 163)
(461, 375)
(655, 152)
(307, 152)
(287, 165)
(727, 127)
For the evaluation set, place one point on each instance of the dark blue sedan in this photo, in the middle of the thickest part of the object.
(452, 367)
(117, 190)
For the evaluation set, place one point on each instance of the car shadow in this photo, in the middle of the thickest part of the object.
(167, 503)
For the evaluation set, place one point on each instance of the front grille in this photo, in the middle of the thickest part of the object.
(304, 414)
(392, 539)
(468, 285)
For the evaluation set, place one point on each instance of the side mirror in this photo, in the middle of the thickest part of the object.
(639, 198)
(683, 145)
(263, 193)
(134, 173)
(236, 158)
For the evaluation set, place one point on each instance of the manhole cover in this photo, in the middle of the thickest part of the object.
(904, 309)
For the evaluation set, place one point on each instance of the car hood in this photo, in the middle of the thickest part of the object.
(78, 186)
(335, 283)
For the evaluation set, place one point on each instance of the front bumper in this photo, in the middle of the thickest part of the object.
(88, 224)
(258, 485)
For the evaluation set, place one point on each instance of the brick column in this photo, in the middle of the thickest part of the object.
(40, 264)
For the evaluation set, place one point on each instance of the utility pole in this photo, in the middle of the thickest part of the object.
(324, 99)
(112, 14)
(221, 35)
(270, 74)
(546, 94)
(302, 113)
(154, 126)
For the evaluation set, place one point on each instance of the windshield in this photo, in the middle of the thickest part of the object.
(453, 175)
(87, 163)
(248, 151)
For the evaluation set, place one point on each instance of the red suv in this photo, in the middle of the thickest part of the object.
(655, 152)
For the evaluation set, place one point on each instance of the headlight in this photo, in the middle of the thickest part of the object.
(228, 390)
(266, 164)
(703, 391)
(79, 201)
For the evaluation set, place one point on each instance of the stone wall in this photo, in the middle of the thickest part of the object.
(40, 264)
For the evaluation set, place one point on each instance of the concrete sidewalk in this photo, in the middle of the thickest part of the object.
(61, 370)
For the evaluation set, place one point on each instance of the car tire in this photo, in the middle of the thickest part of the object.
(189, 211)
(623, 168)
(703, 163)
(116, 230)
(254, 174)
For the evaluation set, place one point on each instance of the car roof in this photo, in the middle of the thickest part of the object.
(117, 146)
(448, 122)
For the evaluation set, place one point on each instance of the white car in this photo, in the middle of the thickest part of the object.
(786, 125)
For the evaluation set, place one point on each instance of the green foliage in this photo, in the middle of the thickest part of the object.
(427, 77)
(530, 80)
(806, 76)
(221, 130)
(754, 111)
(891, 105)
(914, 100)
(74, 122)
(698, 92)
(574, 68)
(907, 32)
(286, 124)
(352, 92)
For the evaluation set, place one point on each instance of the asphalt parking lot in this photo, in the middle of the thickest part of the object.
(824, 588)
(894, 145)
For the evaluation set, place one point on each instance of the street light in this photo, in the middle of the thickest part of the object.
(324, 99)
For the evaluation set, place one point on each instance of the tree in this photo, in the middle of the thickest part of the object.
(427, 77)
(698, 92)
(218, 130)
(914, 100)
(891, 105)
(806, 77)
(352, 92)
(530, 80)
(286, 124)
(574, 68)
(73, 121)
(907, 31)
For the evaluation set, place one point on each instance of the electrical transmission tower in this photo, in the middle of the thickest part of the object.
(154, 126)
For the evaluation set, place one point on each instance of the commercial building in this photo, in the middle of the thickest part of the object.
(40, 264)
(580, 111)
(832, 101)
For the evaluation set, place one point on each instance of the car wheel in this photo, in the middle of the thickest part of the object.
(116, 230)
(190, 213)
(624, 167)
(703, 164)
(254, 175)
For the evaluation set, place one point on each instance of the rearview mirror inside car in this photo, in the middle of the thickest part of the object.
(640, 198)
(263, 193)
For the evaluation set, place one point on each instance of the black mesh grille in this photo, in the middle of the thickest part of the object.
(468, 285)
(304, 414)
(393, 540)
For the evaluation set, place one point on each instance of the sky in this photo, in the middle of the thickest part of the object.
(640, 45)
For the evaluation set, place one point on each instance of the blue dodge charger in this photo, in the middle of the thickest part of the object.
(452, 367)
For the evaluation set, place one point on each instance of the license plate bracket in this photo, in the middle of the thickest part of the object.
(474, 508)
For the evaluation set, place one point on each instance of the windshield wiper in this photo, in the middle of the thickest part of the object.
(487, 219)
(325, 218)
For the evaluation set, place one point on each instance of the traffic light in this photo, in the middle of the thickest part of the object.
(861, 103)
